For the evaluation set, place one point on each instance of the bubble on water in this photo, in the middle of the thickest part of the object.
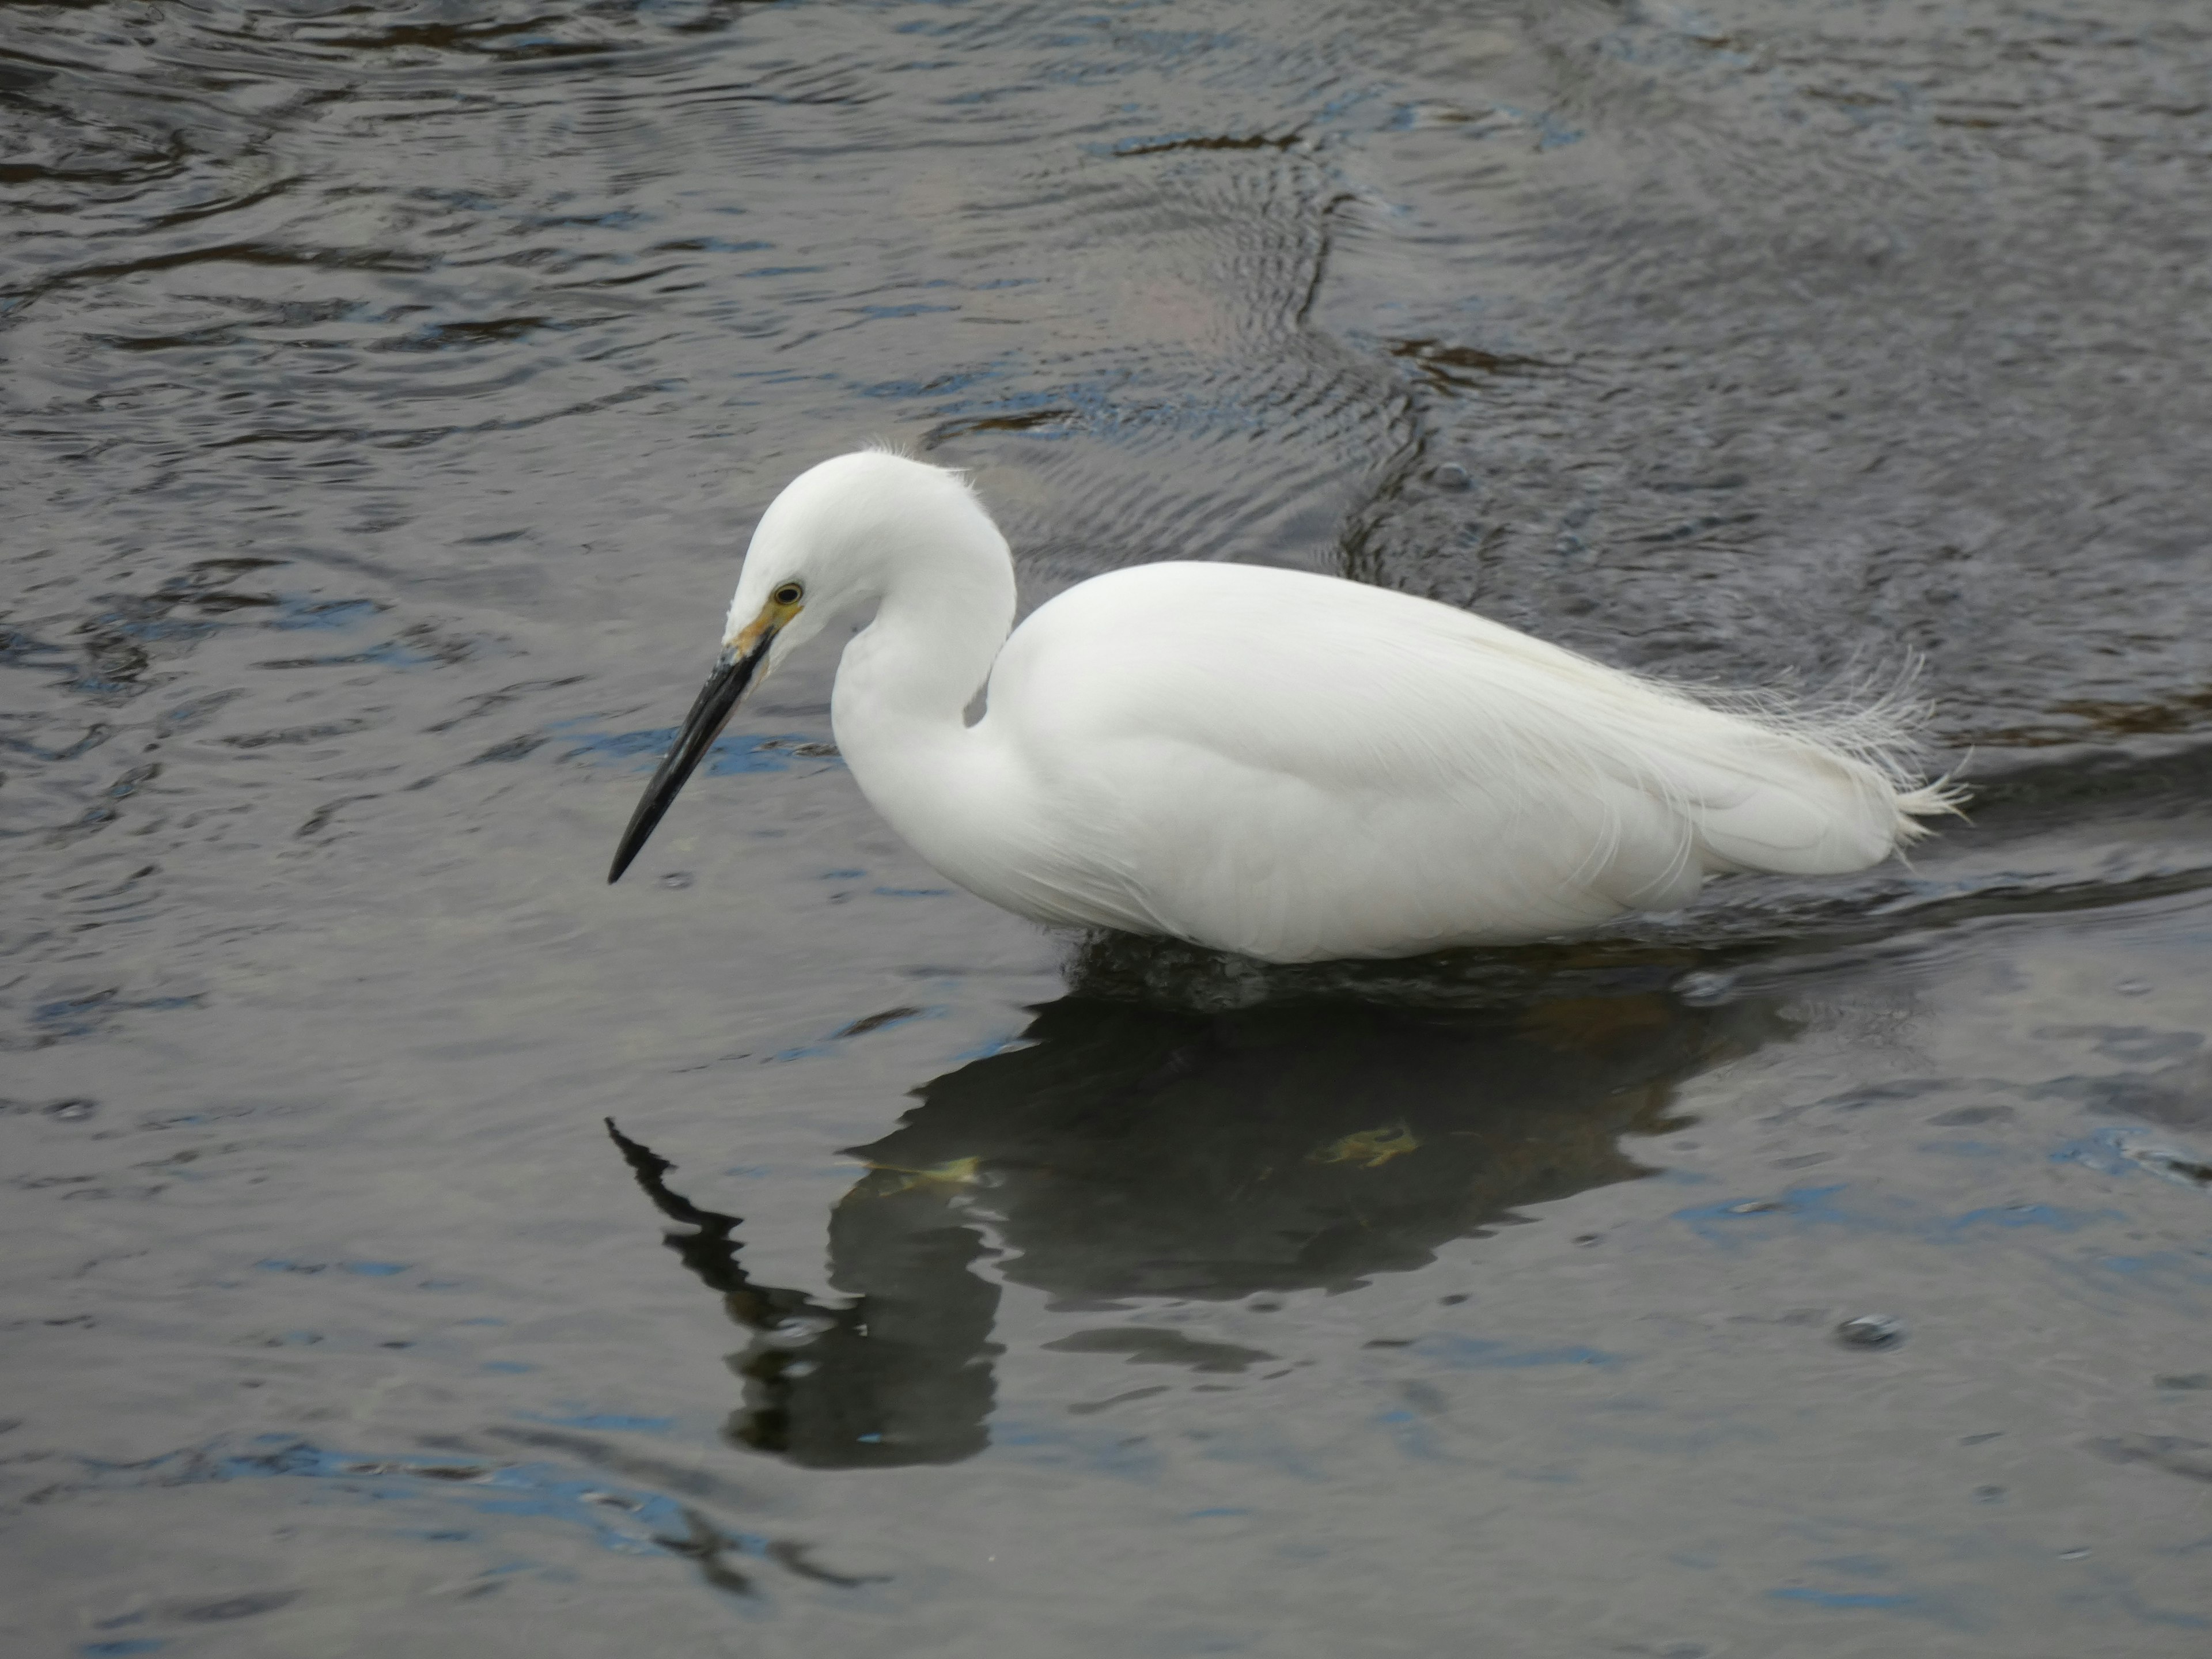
(72, 1111)
(1705, 989)
(677, 878)
(1451, 475)
(1870, 1331)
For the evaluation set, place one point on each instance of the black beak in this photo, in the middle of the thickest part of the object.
(718, 701)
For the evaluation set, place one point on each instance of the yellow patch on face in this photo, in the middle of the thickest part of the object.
(1369, 1149)
(773, 617)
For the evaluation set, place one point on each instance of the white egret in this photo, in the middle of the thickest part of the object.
(1286, 765)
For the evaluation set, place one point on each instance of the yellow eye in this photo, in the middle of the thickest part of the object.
(790, 593)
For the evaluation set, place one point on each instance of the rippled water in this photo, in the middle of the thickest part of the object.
(390, 392)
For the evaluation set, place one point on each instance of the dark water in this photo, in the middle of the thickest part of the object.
(390, 391)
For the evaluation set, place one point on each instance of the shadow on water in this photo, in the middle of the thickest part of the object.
(1128, 1153)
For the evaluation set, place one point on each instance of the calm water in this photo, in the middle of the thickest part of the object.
(390, 392)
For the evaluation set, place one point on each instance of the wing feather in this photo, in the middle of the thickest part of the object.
(1240, 731)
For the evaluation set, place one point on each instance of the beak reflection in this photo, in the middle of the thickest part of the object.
(717, 701)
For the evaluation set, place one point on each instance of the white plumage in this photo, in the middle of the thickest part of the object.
(1282, 764)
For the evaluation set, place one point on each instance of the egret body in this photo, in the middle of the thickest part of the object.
(1286, 765)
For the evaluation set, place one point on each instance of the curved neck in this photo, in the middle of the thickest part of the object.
(907, 679)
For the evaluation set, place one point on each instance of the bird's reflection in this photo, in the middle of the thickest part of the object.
(1128, 1153)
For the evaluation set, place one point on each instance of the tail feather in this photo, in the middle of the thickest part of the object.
(1816, 814)
(1788, 787)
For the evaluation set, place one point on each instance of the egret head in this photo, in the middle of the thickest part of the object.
(827, 546)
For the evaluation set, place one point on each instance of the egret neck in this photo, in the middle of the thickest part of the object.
(908, 679)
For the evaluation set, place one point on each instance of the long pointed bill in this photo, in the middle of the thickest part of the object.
(717, 701)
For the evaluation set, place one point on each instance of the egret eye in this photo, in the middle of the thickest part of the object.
(790, 593)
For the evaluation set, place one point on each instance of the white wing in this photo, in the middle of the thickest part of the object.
(1213, 748)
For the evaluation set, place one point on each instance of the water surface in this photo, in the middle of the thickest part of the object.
(416, 1245)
